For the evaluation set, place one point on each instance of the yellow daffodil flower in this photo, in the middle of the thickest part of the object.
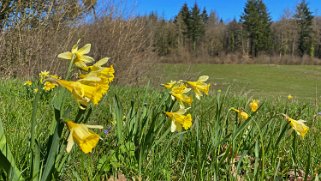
(298, 125)
(84, 138)
(242, 115)
(178, 92)
(43, 75)
(254, 105)
(49, 86)
(84, 93)
(179, 120)
(290, 97)
(199, 86)
(169, 85)
(80, 58)
(28, 83)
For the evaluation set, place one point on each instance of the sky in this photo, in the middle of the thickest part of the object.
(225, 9)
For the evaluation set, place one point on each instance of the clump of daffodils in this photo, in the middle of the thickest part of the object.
(94, 80)
(88, 89)
(91, 86)
(40, 86)
(298, 125)
(180, 92)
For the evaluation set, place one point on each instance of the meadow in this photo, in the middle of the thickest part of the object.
(267, 80)
(137, 142)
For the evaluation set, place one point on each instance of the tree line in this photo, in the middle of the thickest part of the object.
(28, 29)
(200, 33)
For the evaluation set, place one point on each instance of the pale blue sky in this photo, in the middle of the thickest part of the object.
(227, 10)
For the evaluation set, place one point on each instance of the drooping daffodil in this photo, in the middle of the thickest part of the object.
(242, 115)
(298, 125)
(82, 136)
(199, 86)
(179, 120)
(84, 92)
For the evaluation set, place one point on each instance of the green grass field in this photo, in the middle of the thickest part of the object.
(261, 80)
(140, 146)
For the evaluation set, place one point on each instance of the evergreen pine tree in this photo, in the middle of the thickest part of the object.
(196, 27)
(256, 22)
(204, 16)
(304, 19)
(182, 22)
(265, 28)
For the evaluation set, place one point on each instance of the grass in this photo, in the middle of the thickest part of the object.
(302, 81)
(139, 144)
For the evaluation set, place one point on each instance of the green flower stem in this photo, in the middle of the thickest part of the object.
(70, 67)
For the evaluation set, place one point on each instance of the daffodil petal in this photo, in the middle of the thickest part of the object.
(94, 126)
(186, 90)
(90, 79)
(179, 127)
(181, 105)
(181, 111)
(173, 127)
(85, 49)
(78, 90)
(101, 62)
(86, 59)
(65, 55)
(203, 78)
(70, 142)
(74, 48)
(81, 65)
